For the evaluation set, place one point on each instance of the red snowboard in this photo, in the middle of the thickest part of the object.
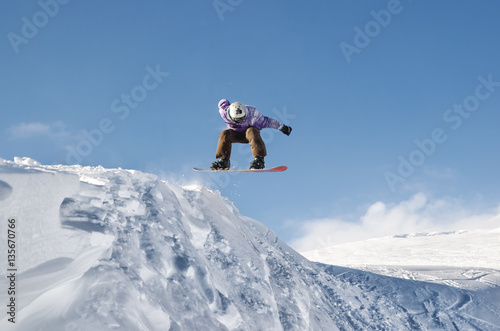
(275, 169)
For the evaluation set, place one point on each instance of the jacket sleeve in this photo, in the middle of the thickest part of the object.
(223, 104)
(263, 122)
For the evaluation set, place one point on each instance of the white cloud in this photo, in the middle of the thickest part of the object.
(37, 129)
(417, 214)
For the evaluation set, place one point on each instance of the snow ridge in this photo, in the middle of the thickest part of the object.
(120, 249)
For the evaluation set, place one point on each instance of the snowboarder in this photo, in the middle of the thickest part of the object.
(244, 124)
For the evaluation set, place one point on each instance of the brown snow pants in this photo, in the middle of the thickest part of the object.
(250, 136)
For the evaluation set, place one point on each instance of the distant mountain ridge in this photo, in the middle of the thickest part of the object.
(461, 248)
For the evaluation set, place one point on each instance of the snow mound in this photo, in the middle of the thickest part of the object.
(5, 190)
(26, 161)
(107, 249)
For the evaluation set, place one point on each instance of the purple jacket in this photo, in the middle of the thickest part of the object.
(253, 118)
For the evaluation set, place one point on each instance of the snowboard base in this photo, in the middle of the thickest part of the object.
(275, 169)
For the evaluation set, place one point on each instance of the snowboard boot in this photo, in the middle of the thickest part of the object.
(257, 163)
(220, 164)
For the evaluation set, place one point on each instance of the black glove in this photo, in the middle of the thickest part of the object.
(286, 130)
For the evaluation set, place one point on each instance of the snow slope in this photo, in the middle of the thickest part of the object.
(468, 261)
(477, 249)
(114, 249)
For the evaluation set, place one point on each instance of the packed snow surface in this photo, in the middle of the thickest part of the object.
(114, 249)
(476, 249)
(468, 261)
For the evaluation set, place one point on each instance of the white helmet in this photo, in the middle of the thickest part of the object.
(237, 112)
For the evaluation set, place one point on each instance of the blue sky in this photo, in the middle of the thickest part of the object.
(388, 100)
